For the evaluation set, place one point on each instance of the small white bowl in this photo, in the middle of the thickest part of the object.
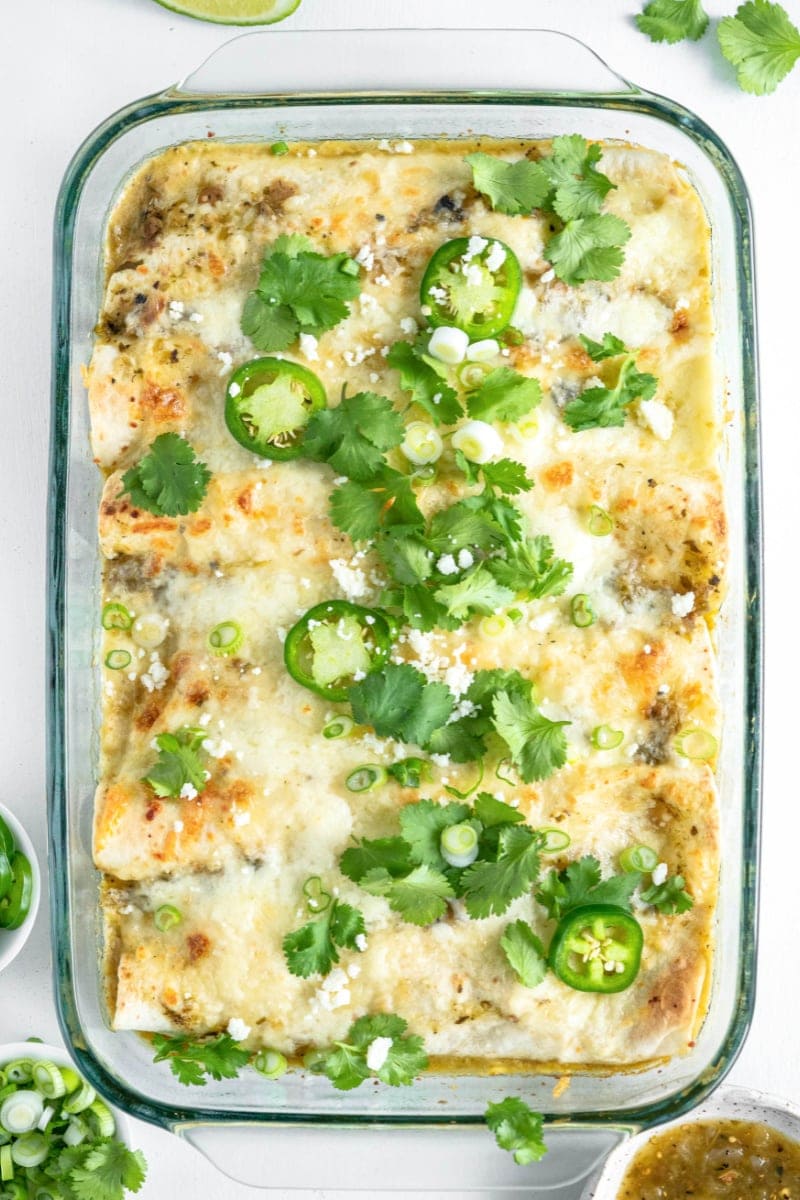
(58, 1055)
(12, 940)
(730, 1103)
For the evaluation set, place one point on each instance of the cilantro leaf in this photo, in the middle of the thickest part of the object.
(219, 1057)
(418, 607)
(504, 395)
(406, 557)
(298, 291)
(489, 887)
(419, 375)
(525, 953)
(104, 1170)
(610, 347)
(399, 702)
(464, 524)
(602, 407)
(477, 592)
(411, 772)
(673, 20)
(512, 188)
(422, 825)
(518, 1129)
(762, 43)
(169, 481)
(580, 188)
(391, 854)
(420, 897)
(362, 509)
(580, 883)
(588, 248)
(538, 746)
(314, 948)
(491, 812)
(346, 1063)
(353, 436)
(531, 569)
(669, 896)
(179, 764)
(506, 475)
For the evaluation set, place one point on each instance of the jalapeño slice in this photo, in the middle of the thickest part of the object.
(268, 404)
(597, 948)
(334, 644)
(476, 290)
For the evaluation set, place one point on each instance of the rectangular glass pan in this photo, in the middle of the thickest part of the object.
(507, 84)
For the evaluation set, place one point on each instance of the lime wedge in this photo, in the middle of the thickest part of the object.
(233, 12)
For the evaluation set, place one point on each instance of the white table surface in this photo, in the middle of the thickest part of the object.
(67, 64)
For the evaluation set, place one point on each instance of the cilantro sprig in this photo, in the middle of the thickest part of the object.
(314, 948)
(601, 407)
(504, 395)
(179, 765)
(346, 1062)
(525, 953)
(581, 883)
(101, 1169)
(354, 436)
(194, 1061)
(298, 291)
(668, 897)
(673, 20)
(169, 480)
(538, 746)
(425, 379)
(761, 43)
(586, 243)
(517, 1128)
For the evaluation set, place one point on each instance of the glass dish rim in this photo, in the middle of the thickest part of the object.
(172, 102)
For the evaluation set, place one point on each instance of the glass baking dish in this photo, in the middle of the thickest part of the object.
(516, 83)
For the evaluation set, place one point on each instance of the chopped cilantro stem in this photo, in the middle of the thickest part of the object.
(226, 638)
(599, 522)
(638, 858)
(270, 1063)
(317, 899)
(338, 727)
(582, 611)
(696, 744)
(500, 774)
(459, 845)
(554, 840)
(603, 737)
(167, 917)
(366, 778)
(116, 616)
(465, 795)
(118, 660)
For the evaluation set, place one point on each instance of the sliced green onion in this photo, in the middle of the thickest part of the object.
(459, 844)
(554, 840)
(167, 917)
(366, 778)
(5, 1138)
(515, 615)
(7, 1090)
(472, 374)
(317, 899)
(279, 148)
(118, 660)
(46, 1117)
(495, 625)
(603, 737)
(422, 444)
(48, 1079)
(226, 638)
(338, 727)
(116, 616)
(270, 1063)
(149, 630)
(600, 523)
(79, 1100)
(20, 1111)
(30, 1149)
(42, 1192)
(696, 744)
(103, 1118)
(3, 1079)
(72, 1079)
(526, 428)
(498, 774)
(582, 611)
(6, 1164)
(20, 1070)
(76, 1132)
(638, 858)
(465, 795)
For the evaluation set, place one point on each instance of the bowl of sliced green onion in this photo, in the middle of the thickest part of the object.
(58, 1138)
(20, 887)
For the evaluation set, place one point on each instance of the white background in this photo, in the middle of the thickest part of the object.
(64, 66)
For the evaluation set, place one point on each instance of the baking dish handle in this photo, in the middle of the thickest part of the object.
(404, 61)
(433, 1160)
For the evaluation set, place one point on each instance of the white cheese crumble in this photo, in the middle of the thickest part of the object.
(156, 675)
(366, 258)
(658, 418)
(308, 347)
(496, 257)
(238, 1029)
(361, 942)
(177, 826)
(350, 579)
(475, 246)
(682, 605)
(378, 1052)
(408, 325)
(465, 558)
(446, 565)
(660, 874)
